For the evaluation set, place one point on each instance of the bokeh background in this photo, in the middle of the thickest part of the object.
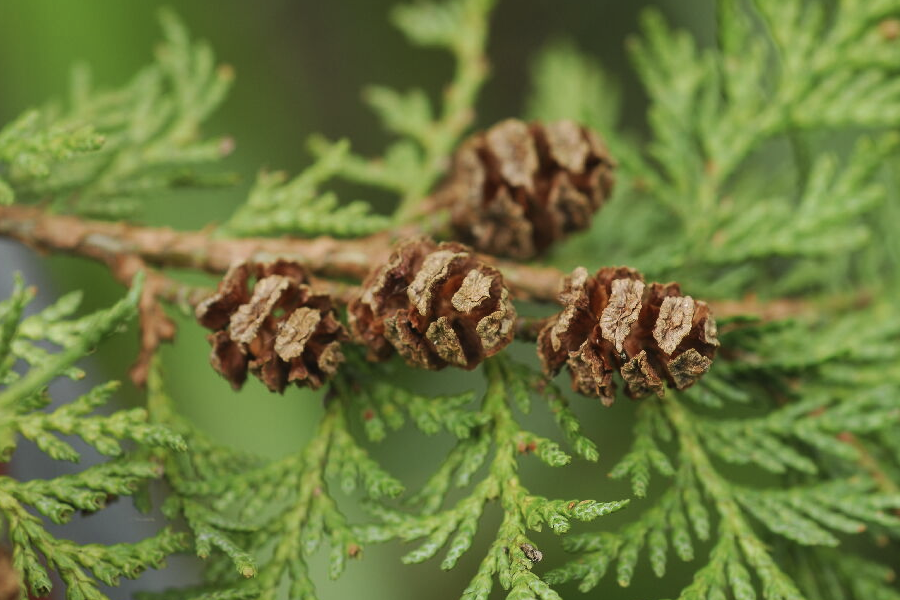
(300, 70)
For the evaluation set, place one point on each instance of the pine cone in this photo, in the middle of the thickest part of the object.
(278, 328)
(436, 304)
(515, 189)
(612, 321)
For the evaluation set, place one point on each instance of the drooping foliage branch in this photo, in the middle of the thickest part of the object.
(28, 414)
(756, 478)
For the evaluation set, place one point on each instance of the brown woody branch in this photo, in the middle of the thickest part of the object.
(202, 250)
(127, 248)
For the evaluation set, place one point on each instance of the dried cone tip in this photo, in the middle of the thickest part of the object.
(266, 319)
(613, 321)
(436, 305)
(517, 188)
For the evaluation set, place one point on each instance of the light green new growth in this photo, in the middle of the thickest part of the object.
(23, 415)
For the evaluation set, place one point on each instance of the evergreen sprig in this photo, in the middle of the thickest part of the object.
(383, 406)
(409, 167)
(782, 452)
(824, 431)
(512, 554)
(819, 430)
(276, 205)
(821, 570)
(266, 519)
(725, 205)
(428, 135)
(802, 514)
(645, 454)
(805, 514)
(105, 151)
(23, 400)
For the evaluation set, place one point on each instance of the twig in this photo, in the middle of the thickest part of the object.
(156, 326)
(164, 247)
(326, 257)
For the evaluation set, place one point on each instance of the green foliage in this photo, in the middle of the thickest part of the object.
(799, 514)
(569, 85)
(266, 519)
(107, 150)
(28, 147)
(23, 400)
(512, 554)
(823, 571)
(821, 433)
(273, 514)
(409, 167)
(645, 452)
(279, 206)
(382, 405)
(413, 164)
(814, 422)
(748, 183)
(764, 172)
(743, 176)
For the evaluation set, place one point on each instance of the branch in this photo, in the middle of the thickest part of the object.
(122, 247)
(156, 326)
(164, 247)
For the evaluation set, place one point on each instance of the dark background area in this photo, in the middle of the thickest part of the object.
(300, 70)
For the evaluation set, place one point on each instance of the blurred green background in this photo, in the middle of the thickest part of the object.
(300, 69)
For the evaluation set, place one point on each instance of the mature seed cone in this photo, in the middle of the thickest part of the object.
(277, 327)
(436, 304)
(651, 334)
(516, 188)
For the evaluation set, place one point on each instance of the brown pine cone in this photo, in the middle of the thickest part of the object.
(651, 334)
(277, 327)
(516, 188)
(436, 304)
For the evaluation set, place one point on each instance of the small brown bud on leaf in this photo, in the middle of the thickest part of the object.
(531, 553)
(277, 328)
(436, 305)
(517, 188)
(613, 321)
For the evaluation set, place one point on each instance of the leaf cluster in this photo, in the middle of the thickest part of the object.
(746, 177)
(103, 152)
(495, 440)
(26, 413)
